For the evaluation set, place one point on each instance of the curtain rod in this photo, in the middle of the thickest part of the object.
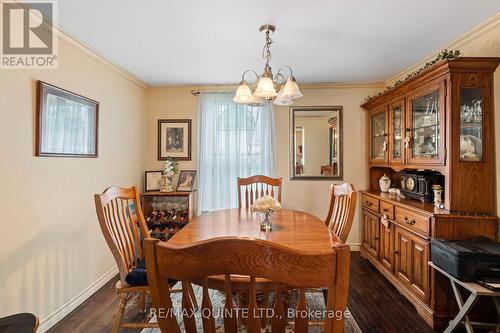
(197, 92)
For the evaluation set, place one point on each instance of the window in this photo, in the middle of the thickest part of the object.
(234, 140)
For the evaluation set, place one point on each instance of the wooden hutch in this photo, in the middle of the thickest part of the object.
(439, 120)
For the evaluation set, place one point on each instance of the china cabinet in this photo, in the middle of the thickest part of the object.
(438, 126)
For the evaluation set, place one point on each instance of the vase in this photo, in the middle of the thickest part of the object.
(384, 183)
(265, 224)
(166, 184)
(437, 197)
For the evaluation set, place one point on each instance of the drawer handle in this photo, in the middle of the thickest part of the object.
(396, 252)
(385, 210)
(376, 238)
(407, 221)
(368, 203)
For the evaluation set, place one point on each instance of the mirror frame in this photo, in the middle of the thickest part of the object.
(293, 109)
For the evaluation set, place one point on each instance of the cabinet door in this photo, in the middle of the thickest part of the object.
(378, 137)
(397, 133)
(426, 109)
(411, 262)
(370, 233)
(420, 267)
(387, 246)
(402, 255)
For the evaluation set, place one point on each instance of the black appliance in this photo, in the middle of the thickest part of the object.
(418, 184)
(467, 260)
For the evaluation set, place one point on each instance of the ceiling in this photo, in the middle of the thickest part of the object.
(213, 42)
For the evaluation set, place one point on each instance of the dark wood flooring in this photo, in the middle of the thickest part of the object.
(374, 303)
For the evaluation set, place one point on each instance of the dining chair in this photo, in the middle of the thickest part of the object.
(257, 186)
(251, 257)
(341, 209)
(122, 223)
(19, 323)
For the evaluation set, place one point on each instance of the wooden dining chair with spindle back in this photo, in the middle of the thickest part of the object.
(123, 226)
(341, 209)
(255, 187)
(254, 258)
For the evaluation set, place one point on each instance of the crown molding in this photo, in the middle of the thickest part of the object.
(303, 86)
(80, 45)
(454, 44)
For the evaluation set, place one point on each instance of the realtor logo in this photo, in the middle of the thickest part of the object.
(28, 39)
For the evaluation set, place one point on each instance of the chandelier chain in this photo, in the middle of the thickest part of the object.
(266, 52)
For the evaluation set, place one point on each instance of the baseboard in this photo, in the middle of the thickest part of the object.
(354, 246)
(74, 302)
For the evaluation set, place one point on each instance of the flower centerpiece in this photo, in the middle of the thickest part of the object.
(265, 205)
(167, 179)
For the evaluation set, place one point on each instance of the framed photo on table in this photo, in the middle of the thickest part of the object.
(152, 180)
(186, 181)
(174, 139)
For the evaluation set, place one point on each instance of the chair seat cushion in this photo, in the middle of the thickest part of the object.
(138, 275)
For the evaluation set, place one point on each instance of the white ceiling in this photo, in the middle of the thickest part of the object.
(213, 42)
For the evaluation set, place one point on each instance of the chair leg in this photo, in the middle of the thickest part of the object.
(142, 302)
(192, 296)
(120, 312)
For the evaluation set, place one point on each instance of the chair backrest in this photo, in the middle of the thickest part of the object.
(19, 323)
(341, 209)
(257, 186)
(250, 257)
(122, 225)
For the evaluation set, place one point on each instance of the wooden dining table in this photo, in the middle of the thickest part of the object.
(295, 229)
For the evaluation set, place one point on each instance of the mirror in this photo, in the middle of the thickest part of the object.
(316, 142)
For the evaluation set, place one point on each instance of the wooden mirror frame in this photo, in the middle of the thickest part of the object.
(293, 109)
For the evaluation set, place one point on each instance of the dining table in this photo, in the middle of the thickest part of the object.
(294, 229)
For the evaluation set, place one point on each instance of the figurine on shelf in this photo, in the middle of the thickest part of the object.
(167, 179)
(384, 183)
(437, 195)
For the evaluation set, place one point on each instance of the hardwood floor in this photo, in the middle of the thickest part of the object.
(376, 306)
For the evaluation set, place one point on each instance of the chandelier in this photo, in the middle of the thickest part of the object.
(279, 89)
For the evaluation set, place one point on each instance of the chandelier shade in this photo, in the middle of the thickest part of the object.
(266, 85)
(265, 88)
(291, 89)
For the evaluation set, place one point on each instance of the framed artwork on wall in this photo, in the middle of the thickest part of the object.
(66, 123)
(186, 181)
(152, 180)
(174, 139)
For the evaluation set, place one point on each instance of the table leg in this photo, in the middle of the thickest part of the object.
(464, 310)
(460, 302)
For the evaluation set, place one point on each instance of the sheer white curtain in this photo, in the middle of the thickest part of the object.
(234, 140)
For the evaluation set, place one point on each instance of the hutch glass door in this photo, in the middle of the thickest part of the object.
(471, 124)
(425, 127)
(397, 134)
(378, 149)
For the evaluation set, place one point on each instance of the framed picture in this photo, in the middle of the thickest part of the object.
(174, 139)
(66, 123)
(152, 180)
(186, 181)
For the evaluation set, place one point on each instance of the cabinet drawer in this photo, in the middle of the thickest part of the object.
(411, 220)
(370, 203)
(387, 208)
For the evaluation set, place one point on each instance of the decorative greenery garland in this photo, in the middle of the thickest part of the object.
(444, 54)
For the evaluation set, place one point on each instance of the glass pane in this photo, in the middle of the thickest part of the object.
(378, 136)
(397, 151)
(425, 118)
(471, 124)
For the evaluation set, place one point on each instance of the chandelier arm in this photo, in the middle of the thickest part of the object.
(251, 71)
(287, 67)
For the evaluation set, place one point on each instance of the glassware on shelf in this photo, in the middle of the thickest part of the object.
(471, 124)
(425, 121)
(397, 138)
(379, 143)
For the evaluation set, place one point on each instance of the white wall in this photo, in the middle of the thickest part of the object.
(51, 247)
